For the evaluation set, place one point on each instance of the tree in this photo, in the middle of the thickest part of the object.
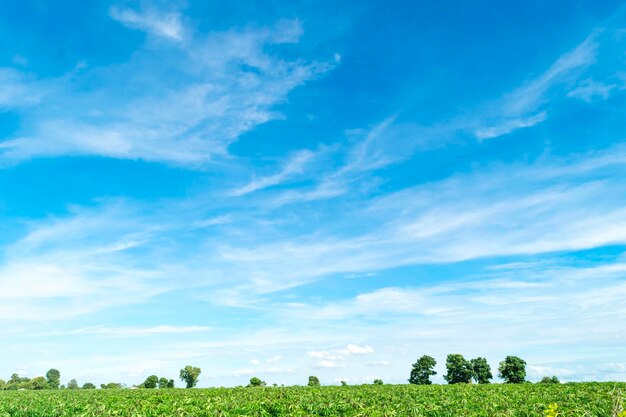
(378, 382)
(38, 383)
(459, 369)
(53, 377)
(170, 383)
(111, 385)
(163, 383)
(189, 374)
(344, 383)
(3, 385)
(88, 385)
(422, 370)
(550, 380)
(314, 381)
(481, 371)
(513, 370)
(72, 384)
(256, 382)
(151, 382)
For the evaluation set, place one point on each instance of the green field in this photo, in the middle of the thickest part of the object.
(579, 399)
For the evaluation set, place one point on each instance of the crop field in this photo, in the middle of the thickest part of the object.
(579, 399)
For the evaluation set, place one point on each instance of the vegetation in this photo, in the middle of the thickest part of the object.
(189, 375)
(481, 371)
(456, 400)
(549, 380)
(422, 370)
(512, 370)
(256, 382)
(459, 369)
(314, 381)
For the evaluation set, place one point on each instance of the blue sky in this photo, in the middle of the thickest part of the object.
(283, 189)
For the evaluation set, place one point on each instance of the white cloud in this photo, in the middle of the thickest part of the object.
(329, 364)
(166, 25)
(295, 165)
(590, 91)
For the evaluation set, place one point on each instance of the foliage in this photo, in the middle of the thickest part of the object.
(481, 371)
(513, 370)
(72, 384)
(459, 369)
(460, 400)
(422, 370)
(53, 377)
(111, 385)
(256, 382)
(314, 381)
(549, 380)
(88, 385)
(151, 382)
(189, 375)
(378, 382)
(344, 383)
(38, 383)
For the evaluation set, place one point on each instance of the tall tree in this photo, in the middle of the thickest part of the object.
(189, 375)
(513, 370)
(151, 382)
(422, 370)
(53, 377)
(38, 383)
(163, 383)
(170, 383)
(72, 384)
(459, 369)
(314, 381)
(481, 371)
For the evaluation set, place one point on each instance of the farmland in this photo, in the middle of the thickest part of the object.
(573, 399)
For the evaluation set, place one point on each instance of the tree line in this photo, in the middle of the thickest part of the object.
(460, 370)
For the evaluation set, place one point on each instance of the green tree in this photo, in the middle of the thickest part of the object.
(151, 382)
(513, 370)
(459, 369)
(38, 383)
(3, 385)
(53, 377)
(378, 382)
(422, 370)
(88, 385)
(314, 381)
(550, 380)
(72, 384)
(256, 382)
(189, 375)
(344, 383)
(170, 384)
(163, 383)
(110, 385)
(481, 371)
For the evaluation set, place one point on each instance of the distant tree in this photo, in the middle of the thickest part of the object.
(38, 383)
(151, 382)
(422, 370)
(111, 385)
(481, 371)
(459, 369)
(162, 383)
(189, 374)
(378, 382)
(170, 384)
(53, 377)
(344, 383)
(550, 380)
(314, 381)
(513, 370)
(3, 385)
(88, 385)
(256, 382)
(72, 384)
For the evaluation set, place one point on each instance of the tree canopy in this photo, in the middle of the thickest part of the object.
(513, 370)
(422, 370)
(189, 375)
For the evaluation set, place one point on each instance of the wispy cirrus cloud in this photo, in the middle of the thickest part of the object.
(164, 24)
(221, 85)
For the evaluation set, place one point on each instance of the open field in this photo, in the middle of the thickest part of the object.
(574, 399)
